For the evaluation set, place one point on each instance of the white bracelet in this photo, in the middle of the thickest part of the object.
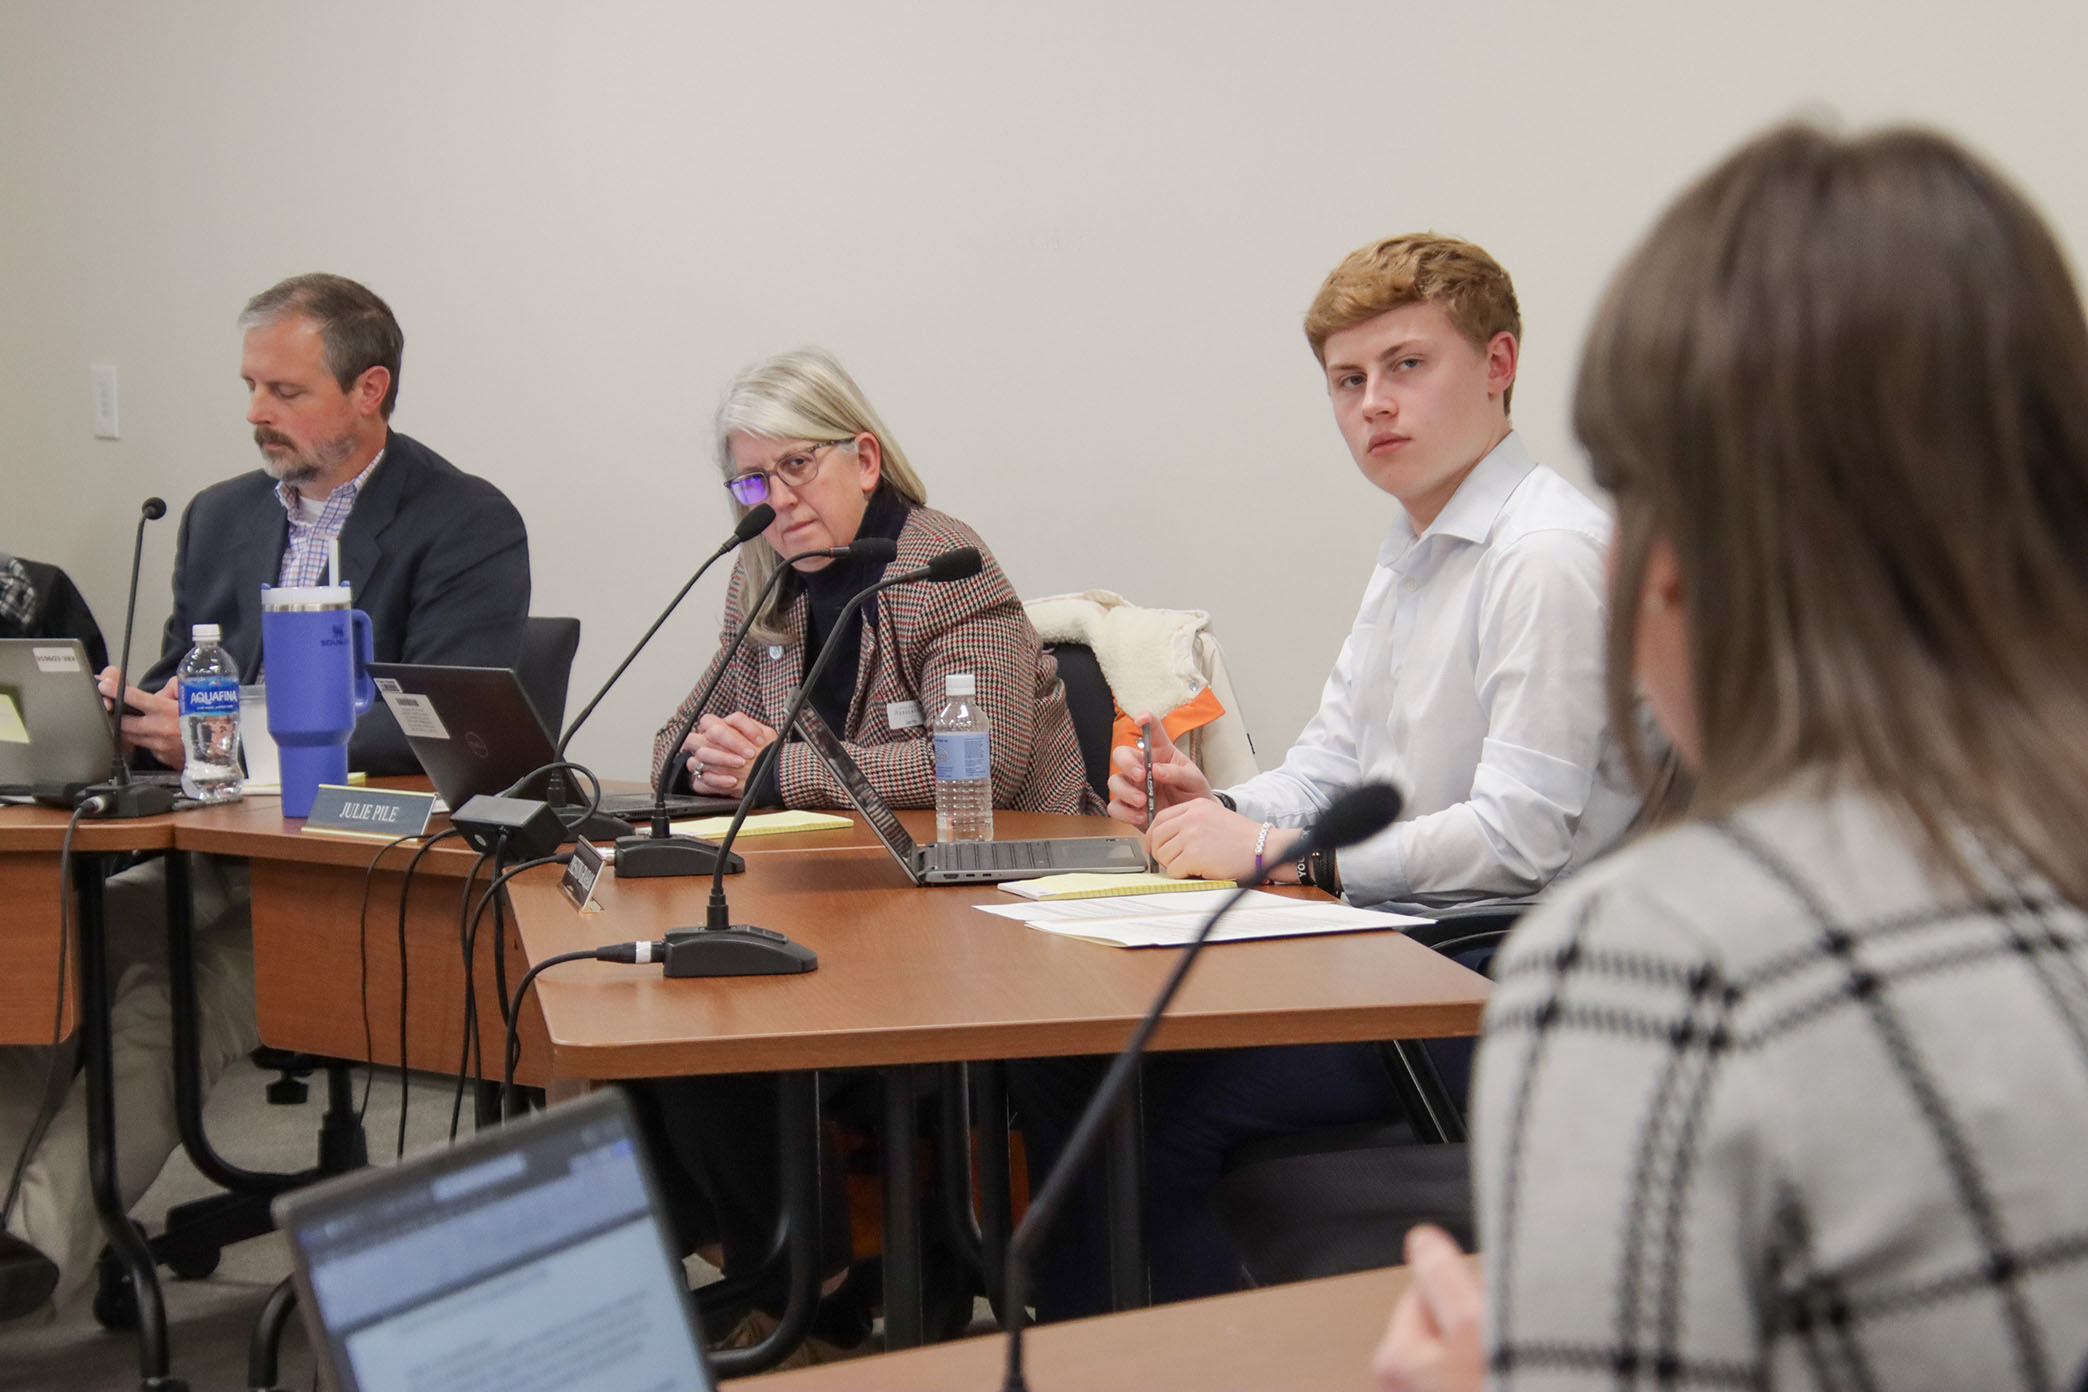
(1261, 843)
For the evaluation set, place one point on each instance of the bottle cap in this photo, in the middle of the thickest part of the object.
(959, 684)
(204, 633)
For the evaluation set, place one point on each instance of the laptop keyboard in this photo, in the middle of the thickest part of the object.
(993, 855)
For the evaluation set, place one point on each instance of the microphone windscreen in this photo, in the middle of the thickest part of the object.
(955, 565)
(155, 509)
(754, 523)
(1356, 815)
(875, 550)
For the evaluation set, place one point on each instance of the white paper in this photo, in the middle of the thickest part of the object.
(1241, 925)
(1192, 902)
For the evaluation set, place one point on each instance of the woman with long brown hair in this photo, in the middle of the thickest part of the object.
(1795, 1092)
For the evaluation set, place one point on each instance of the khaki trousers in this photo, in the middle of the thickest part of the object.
(55, 1208)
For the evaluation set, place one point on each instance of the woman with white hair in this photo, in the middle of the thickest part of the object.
(796, 432)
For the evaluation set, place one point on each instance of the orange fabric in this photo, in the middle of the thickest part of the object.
(1199, 710)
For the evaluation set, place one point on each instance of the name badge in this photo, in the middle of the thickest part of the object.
(582, 873)
(903, 715)
(376, 814)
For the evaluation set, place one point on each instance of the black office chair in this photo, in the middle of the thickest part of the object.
(1330, 1202)
(1092, 706)
(546, 666)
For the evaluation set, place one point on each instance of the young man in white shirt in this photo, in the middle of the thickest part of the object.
(1472, 677)
(1472, 680)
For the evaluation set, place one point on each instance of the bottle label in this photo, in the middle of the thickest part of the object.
(963, 756)
(210, 696)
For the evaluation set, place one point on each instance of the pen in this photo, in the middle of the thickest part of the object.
(1145, 752)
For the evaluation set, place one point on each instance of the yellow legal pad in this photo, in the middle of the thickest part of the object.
(1106, 886)
(764, 824)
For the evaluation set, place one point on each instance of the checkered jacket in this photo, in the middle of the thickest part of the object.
(1764, 1103)
(914, 636)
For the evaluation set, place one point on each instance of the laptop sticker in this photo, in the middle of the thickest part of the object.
(12, 730)
(56, 659)
(416, 716)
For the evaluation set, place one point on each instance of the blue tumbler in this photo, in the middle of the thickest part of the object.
(316, 650)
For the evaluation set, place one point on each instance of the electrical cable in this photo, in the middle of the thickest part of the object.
(470, 980)
(362, 934)
(405, 892)
(629, 952)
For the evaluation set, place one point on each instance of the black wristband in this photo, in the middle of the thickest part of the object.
(1225, 801)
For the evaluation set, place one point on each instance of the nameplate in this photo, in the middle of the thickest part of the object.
(377, 814)
(582, 873)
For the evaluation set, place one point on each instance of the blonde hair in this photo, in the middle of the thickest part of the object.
(1456, 276)
(801, 395)
(1847, 381)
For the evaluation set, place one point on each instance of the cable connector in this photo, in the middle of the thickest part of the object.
(638, 953)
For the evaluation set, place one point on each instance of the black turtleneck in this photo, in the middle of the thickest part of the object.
(827, 592)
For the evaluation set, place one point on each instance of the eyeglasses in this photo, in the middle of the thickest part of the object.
(795, 469)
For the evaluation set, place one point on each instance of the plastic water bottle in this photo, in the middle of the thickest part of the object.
(963, 764)
(209, 680)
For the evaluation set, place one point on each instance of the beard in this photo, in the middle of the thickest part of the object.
(298, 467)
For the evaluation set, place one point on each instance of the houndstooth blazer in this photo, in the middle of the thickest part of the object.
(914, 636)
(1764, 1102)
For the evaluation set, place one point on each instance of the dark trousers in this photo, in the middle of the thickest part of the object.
(1199, 1106)
(716, 1148)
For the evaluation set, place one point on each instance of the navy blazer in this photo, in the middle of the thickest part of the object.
(438, 559)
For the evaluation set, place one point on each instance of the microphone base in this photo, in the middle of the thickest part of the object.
(664, 857)
(127, 800)
(598, 827)
(741, 950)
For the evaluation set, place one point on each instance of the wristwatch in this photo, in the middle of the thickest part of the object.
(1225, 801)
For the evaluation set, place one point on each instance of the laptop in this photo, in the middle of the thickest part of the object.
(534, 1255)
(966, 862)
(475, 730)
(54, 731)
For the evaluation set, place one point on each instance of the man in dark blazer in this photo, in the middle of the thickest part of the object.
(437, 559)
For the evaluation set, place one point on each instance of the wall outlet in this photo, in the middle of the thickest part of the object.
(105, 427)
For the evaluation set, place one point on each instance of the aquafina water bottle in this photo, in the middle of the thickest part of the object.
(209, 679)
(963, 764)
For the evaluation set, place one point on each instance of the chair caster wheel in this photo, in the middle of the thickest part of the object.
(193, 1264)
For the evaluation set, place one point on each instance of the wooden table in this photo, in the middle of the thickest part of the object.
(912, 975)
(1314, 1334)
(30, 840)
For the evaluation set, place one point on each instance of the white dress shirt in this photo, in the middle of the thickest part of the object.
(1473, 682)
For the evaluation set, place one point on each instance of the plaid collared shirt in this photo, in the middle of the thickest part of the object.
(304, 559)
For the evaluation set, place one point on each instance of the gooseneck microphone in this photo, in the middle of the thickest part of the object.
(722, 947)
(120, 797)
(1353, 816)
(601, 826)
(661, 854)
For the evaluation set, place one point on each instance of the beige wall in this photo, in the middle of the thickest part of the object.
(1064, 247)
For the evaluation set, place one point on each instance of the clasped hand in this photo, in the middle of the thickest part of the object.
(721, 751)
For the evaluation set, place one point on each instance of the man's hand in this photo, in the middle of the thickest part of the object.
(1176, 780)
(156, 728)
(1204, 840)
(1433, 1343)
(721, 750)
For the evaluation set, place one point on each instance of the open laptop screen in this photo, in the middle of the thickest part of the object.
(535, 1262)
(876, 811)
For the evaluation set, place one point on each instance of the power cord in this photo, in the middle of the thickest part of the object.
(629, 952)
